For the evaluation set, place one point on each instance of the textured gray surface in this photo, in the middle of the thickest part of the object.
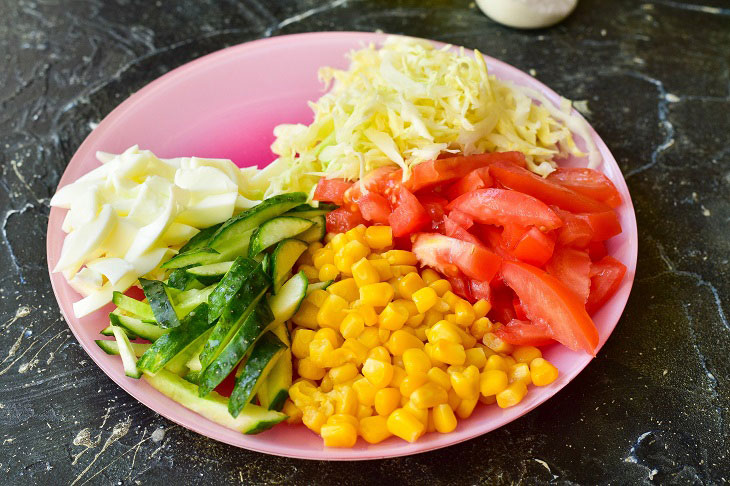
(652, 407)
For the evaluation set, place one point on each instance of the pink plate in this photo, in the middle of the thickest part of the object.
(226, 105)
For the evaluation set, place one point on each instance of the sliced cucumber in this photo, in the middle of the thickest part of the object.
(198, 256)
(173, 342)
(252, 419)
(200, 240)
(263, 357)
(274, 390)
(307, 211)
(316, 232)
(251, 328)
(129, 359)
(231, 239)
(112, 347)
(140, 309)
(283, 259)
(186, 301)
(275, 230)
(145, 330)
(209, 274)
(180, 279)
(160, 303)
(179, 364)
(107, 331)
(235, 312)
(232, 281)
(286, 303)
(318, 286)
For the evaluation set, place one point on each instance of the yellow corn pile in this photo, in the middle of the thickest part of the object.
(386, 350)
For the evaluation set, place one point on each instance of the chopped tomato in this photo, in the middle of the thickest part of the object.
(460, 286)
(480, 290)
(606, 277)
(524, 333)
(588, 182)
(573, 268)
(461, 218)
(409, 215)
(596, 250)
(535, 247)
(575, 232)
(476, 179)
(447, 169)
(491, 237)
(449, 256)
(549, 192)
(512, 234)
(519, 310)
(379, 180)
(342, 219)
(434, 205)
(374, 207)
(502, 299)
(331, 190)
(604, 225)
(503, 207)
(549, 302)
(455, 230)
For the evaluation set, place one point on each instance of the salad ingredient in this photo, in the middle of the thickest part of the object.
(573, 268)
(408, 102)
(527, 14)
(451, 256)
(128, 215)
(283, 259)
(274, 390)
(159, 302)
(588, 182)
(606, 277)
(524, 333)
(129, 359)
(274, 231)
(548, 301)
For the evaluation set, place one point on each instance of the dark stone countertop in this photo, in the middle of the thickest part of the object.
(652, 407)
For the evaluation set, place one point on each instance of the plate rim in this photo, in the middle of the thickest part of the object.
(152, 402)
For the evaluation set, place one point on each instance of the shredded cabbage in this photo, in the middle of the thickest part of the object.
(406, 103)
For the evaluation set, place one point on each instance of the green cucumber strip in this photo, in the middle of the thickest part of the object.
(180, 279)
(201, 239)
(179, 364)
(112, 347)
(286, 303)
(232, 234)
(262, 359)
(275, 230)
(316, 232)
(192, 377)
(129, 359)
(160, 303)
(145, 330)
(283, 259)
(133, 306)
(234, 313)
(307, 211)
(186, 301)
(274, 390)
(198, 256)
(169, 345)
(107, 331)
(318, 286)
(229, 285)
(252, 419)
(211, 270)
(251, 328)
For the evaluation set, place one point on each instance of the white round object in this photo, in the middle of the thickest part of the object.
(527, 14)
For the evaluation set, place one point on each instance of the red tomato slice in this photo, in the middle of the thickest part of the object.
(409, 215)
(331, 190)
(519, 310)
(502, 299)
(549, 302)
(374, 207)
(604, 225)
(448, 169)
(512, 234)
(449, 255)
(545, 190)
(503, 207)
(455, 230)
(379, 181)
(575, 233)
(572, 267)
(461, 218)
(606, 277)
(491, 237)
(341, 220)
(460, 286)
(524, 333)
(535, 247)
(435, 205)
(480, 290)
(588, 182)
(597, 250)
(476, 179)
